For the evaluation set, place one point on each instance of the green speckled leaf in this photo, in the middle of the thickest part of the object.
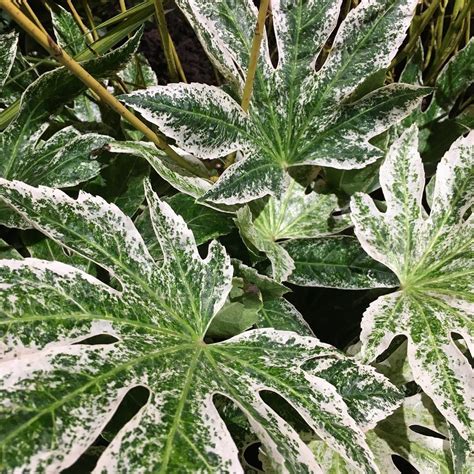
(297, 116)
(66, 158)
(8, 46)
(297, 214)
(432, 256)
(395, 436)
(58, 391)
(68, 34)
(336, 262)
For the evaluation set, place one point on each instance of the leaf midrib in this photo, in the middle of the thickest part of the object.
(93, 381)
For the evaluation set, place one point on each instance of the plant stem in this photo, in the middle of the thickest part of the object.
(166, 40)
(62, 57)
(254, 54)
(424, 19)
(90, 19)
(33, 15)
(252, 69)
(79, 21)
(123, 7)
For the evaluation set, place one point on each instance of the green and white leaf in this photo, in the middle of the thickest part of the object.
(263, 224)
(432, 257)
(297, 116)
(159, 318)
(68, 34)
(395, 436)
(8, 47)
(336, 262)
(282, 315)
(180, 178)
(65, 159)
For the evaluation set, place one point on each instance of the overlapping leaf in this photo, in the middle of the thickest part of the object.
(297, 115)
(416, 432)
(67, 157)
(432, 255)
(440, 124)
(58, 390)
(296, 215)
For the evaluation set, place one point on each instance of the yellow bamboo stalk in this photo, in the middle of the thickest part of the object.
(252, 69)
(62, 57)
(33, 15)
(90, 19)
(254, 54)
(79, 21)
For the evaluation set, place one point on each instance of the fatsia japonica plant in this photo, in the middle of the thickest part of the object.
(298, 116)
(431, 254)
(274, 278)
(58, 390)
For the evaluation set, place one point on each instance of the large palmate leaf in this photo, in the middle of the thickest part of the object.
(367, 394)
(58, 389)
(432, 255)
(297, 116)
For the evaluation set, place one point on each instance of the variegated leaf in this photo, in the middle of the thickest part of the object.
(181, 179)
(432, 256)
(68, 34)
(297, 214)
(297, 116)
(58, 391)
(401, 434)
(8, 46)
(66, 158)
(336, 262)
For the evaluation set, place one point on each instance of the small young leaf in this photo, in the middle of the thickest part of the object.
(296, 215)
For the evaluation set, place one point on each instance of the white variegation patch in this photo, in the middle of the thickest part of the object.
(58, 390)
(432, 257)
(297, 116)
